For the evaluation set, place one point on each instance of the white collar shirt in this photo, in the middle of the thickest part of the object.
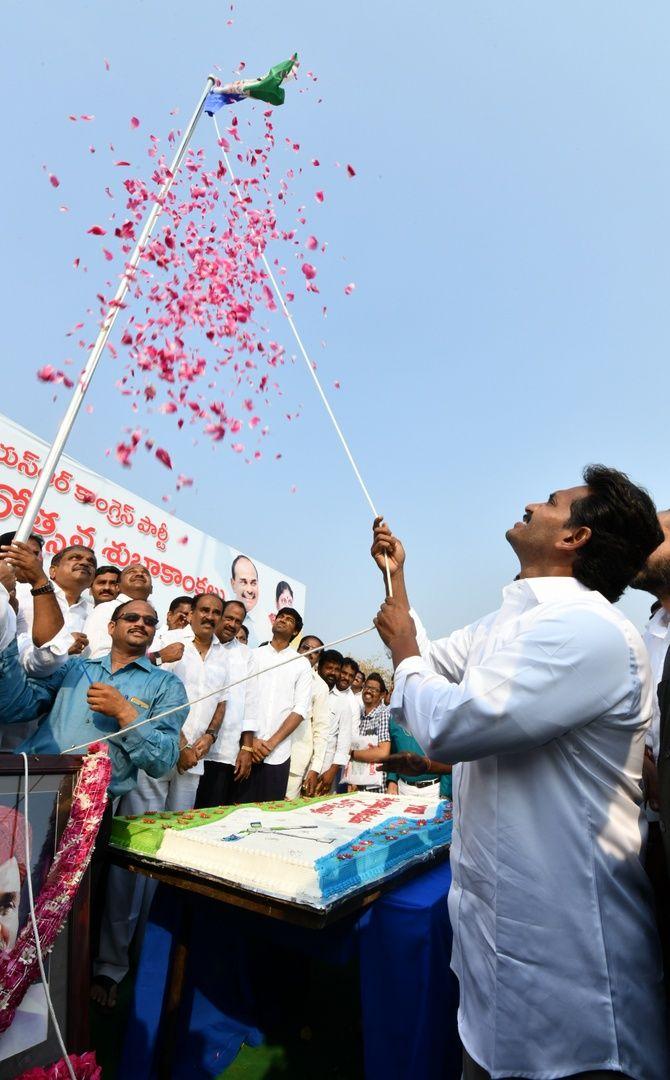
(242, 705)
(201, 675)
(545, 703)
(311, 737)
(283, 689)
(338, 747)
(41, 661)
(656, 638)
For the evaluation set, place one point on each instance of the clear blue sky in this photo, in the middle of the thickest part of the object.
(507, 231)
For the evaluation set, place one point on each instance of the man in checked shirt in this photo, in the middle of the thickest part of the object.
(372, 743)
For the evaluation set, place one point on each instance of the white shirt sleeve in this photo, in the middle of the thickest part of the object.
(447, 656)
(320, 725)
(250, 721)
(561, 673)
(302, 698)
(344, 735)
(7, 619)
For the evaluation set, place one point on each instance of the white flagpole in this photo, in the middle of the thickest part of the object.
(58, 445)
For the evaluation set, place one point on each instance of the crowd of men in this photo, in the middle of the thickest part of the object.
(84, 653)
(553, 712)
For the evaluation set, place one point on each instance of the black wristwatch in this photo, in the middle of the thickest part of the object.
(42, 590)
(213, 735)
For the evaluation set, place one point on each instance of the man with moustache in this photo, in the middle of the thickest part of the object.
(544, 705)
(311, 736)
(338, 747)
(202, 669)
(86, 698)
(228, 762)
(105, 587)
(134, 584)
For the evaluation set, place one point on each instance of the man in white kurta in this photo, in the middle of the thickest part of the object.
(545, 705)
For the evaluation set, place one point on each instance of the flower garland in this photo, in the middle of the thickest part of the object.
(18, 966)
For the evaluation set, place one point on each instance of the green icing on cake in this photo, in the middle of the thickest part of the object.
(143, 833)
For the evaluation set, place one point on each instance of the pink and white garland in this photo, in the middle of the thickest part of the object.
(18, 966)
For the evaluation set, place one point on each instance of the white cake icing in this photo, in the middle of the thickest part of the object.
(277, 852)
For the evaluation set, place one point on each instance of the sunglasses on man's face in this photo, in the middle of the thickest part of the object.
(134, 617)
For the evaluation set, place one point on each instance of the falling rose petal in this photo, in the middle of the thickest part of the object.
(47, 373)
(106, 65)
(108, 255)
(316, 162)
(76, 264)
(64, 209)
(184, 481)
(97, 230)
(312, 243)
(238, 447)
(89, 409)
(123, 163)
(336, 384)
(308, 270)
(348, 289)
(134, 122)
(87, 116)
(319, 196)
(164, 457)
(351, 170)
(53, 180)
(293, 489)
(182, 540)
(290, 296)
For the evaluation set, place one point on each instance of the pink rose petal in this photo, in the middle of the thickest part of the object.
(53, 180)
(350, 170)
(164, 457)
(134, 122)
(308, 270)
(348, 289)
(312, 243)
(319, 196)
(97, 230)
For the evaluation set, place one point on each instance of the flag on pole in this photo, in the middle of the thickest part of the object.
(268, 89)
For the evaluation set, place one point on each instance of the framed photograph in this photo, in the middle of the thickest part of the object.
(30, 1041)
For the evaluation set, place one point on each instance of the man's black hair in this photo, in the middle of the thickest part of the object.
(330, 654)
(7, 538)
(238, 603)
(374, 676)
(107, 570)
(210, 596)
(246, 631)
(114, 617)
(174, 604)
(72, 547)
(624, 531)
(350, 662)
(296, 615)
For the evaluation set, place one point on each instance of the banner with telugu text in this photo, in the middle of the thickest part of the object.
(85, 508)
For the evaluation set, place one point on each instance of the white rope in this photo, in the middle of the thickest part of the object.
(212, 693)
(38, 946)
(310, 366)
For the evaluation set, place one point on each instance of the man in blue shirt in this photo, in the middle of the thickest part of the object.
(86, 699)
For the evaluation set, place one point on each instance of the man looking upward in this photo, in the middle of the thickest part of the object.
(284, 699)
(545, 704)
(311, 737)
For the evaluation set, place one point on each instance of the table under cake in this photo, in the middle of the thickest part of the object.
(363, 985)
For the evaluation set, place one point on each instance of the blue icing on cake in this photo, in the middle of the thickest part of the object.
(378, 851)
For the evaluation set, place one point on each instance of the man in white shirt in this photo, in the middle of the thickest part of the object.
(203, 668)
(134, 584)
(177, 625)
(545, 704)
(311, 737)
(348, 673)
(338, 747)
(655, 579)
(284, 699)
(228, 763)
